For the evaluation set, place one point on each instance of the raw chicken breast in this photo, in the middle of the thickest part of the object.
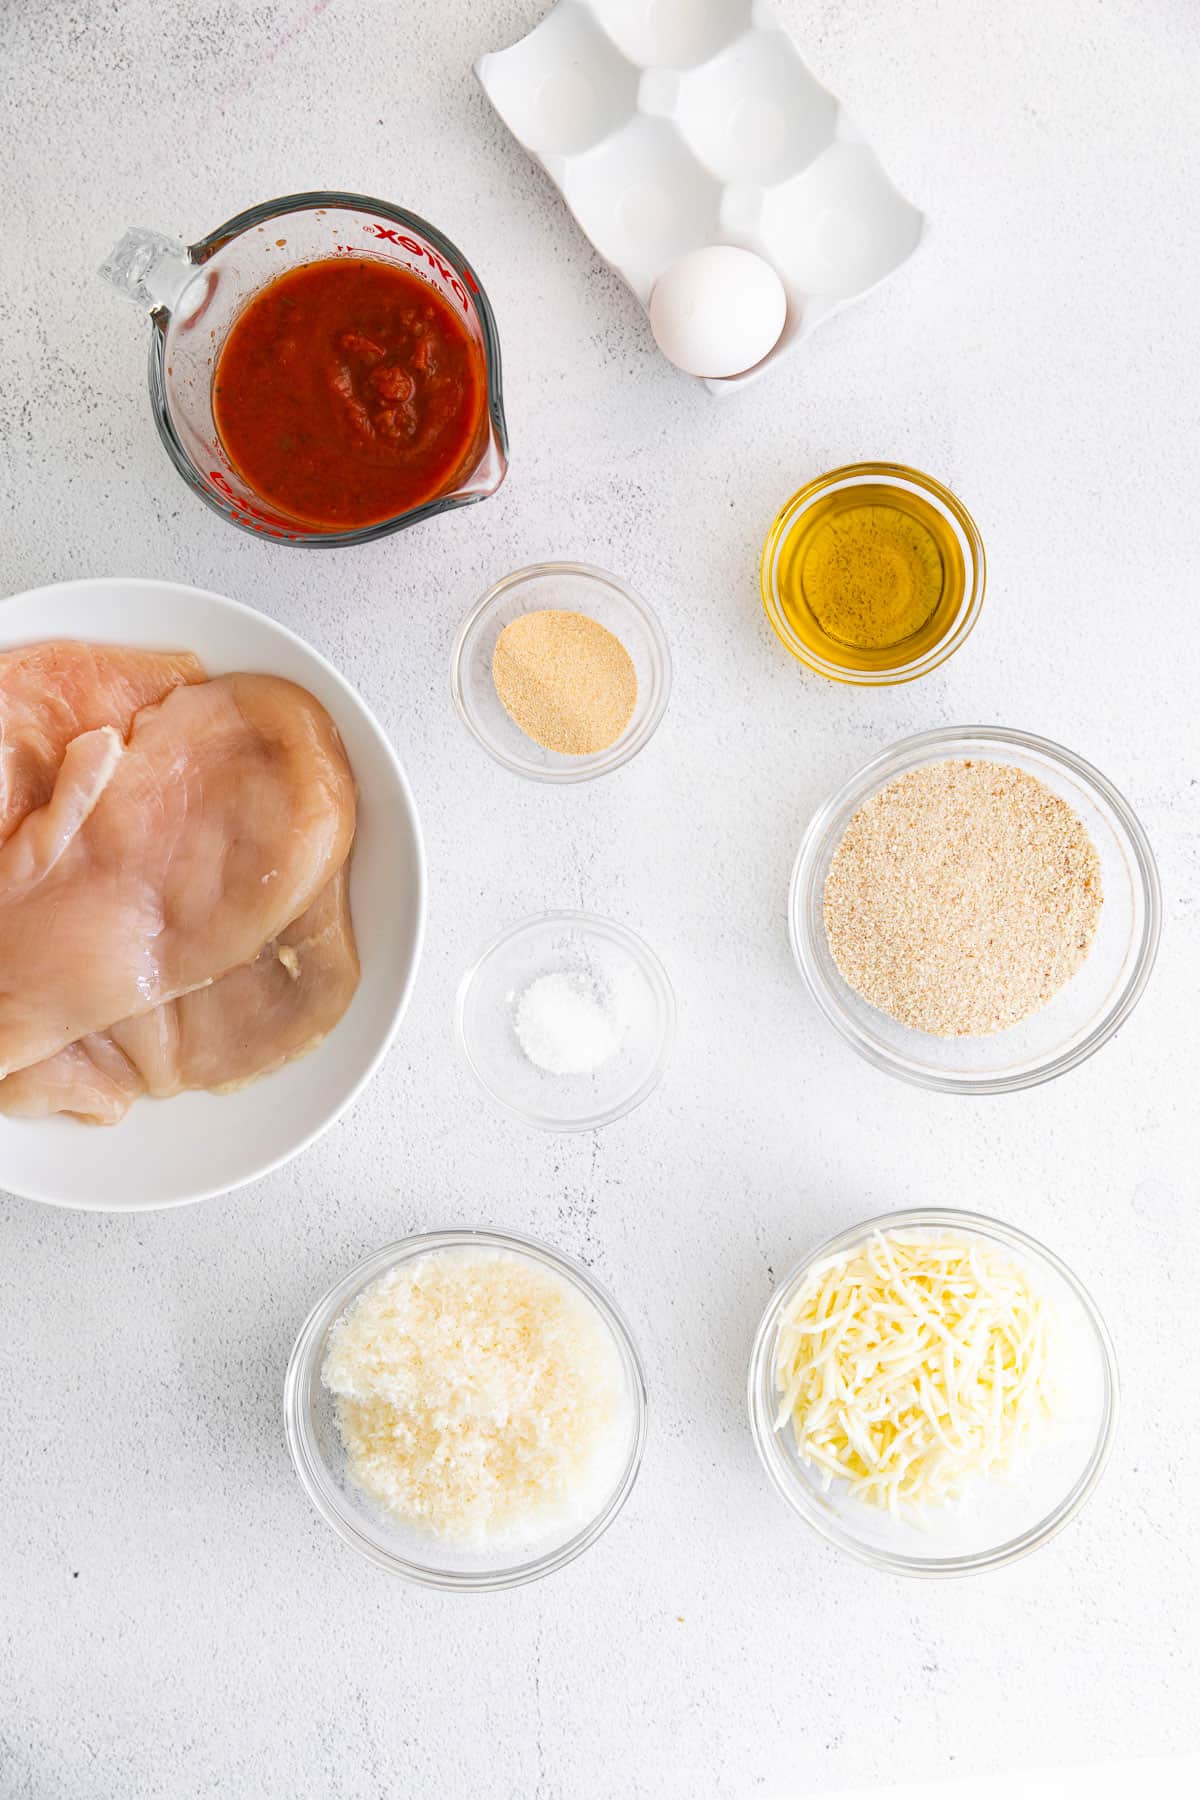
(247, 1024)
(51, 693)
(159, 865)
(258, 1017)
(92, 1079)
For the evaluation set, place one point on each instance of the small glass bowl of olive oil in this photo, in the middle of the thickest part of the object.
(873, 574)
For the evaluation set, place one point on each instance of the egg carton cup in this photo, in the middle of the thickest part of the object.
(671, 125)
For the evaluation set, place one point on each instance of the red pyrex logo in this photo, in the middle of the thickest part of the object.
(392, 235)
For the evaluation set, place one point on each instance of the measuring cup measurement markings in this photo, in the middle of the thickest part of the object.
(193, 295)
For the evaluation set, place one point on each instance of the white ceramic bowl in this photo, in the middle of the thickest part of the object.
(168, 1152)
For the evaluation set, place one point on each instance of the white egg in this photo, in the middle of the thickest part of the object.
(717, 311)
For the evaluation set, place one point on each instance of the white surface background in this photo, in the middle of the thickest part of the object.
(174, 1620)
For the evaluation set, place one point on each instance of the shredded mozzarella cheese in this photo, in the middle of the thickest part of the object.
(912, 1365)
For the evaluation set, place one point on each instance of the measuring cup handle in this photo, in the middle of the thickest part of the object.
(149, 269)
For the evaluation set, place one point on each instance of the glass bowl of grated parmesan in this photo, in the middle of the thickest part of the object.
(934, 1392)
(976, 911)
(467, 1409)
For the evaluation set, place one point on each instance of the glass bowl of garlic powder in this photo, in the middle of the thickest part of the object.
(561, 672)
(934, 1392)
(467, 1409)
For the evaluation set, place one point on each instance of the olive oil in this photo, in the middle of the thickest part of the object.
(870, 576)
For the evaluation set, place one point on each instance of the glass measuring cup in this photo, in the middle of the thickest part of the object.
(194, 292)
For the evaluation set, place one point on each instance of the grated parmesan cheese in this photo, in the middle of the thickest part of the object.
(911, 1365)
(479, 1397)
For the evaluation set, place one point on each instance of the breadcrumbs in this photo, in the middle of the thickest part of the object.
(565, 680)
(963, 896)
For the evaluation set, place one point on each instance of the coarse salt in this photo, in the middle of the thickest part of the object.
(568, 1023)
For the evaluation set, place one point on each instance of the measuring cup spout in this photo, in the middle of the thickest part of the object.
(492, 466)
(149, 269)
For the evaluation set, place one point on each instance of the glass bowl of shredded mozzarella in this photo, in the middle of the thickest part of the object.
(934, 1392)
(466, 1409)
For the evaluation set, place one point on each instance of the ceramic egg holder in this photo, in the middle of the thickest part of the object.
(670, 126)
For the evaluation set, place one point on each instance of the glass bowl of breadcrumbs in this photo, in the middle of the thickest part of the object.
(977, 910)
(561, 672)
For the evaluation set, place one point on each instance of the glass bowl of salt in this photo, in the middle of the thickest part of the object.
(566, 1020)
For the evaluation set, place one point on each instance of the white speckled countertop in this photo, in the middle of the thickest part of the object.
(175, 1619)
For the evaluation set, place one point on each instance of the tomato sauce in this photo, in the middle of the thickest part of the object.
(349, 391)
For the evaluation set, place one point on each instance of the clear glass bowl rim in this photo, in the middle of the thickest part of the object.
(584, 768)
(760, 1392)
(304, 1369)
(968, 739)
(332, 199)
(646, 959)
(799, 503)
